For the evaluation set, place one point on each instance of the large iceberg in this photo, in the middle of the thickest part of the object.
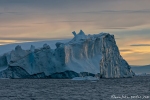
(95, 54)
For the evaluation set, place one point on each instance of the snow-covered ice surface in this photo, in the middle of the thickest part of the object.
(27, 45)
(58, 89)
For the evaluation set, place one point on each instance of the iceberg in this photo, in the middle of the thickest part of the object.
(97, 54)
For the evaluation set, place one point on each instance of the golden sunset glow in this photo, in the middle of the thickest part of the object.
(33, 21)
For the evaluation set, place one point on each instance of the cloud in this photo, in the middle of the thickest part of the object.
(113, 28)
(6, 42)
(14, 26)
(133, 51)
(126, 50)
(9, 40)
(140, 45)
(13, 13)
(76, 21)
(65, 21)
(118, 11)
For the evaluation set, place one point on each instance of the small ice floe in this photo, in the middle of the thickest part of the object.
(93, 79)
(4, 78)
(143, 74)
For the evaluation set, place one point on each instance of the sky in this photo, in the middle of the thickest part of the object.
(34, 20)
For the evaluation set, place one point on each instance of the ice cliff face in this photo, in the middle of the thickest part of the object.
(83, 54)
(112, 64)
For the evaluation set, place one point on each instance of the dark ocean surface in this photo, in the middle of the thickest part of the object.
(137, 88)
